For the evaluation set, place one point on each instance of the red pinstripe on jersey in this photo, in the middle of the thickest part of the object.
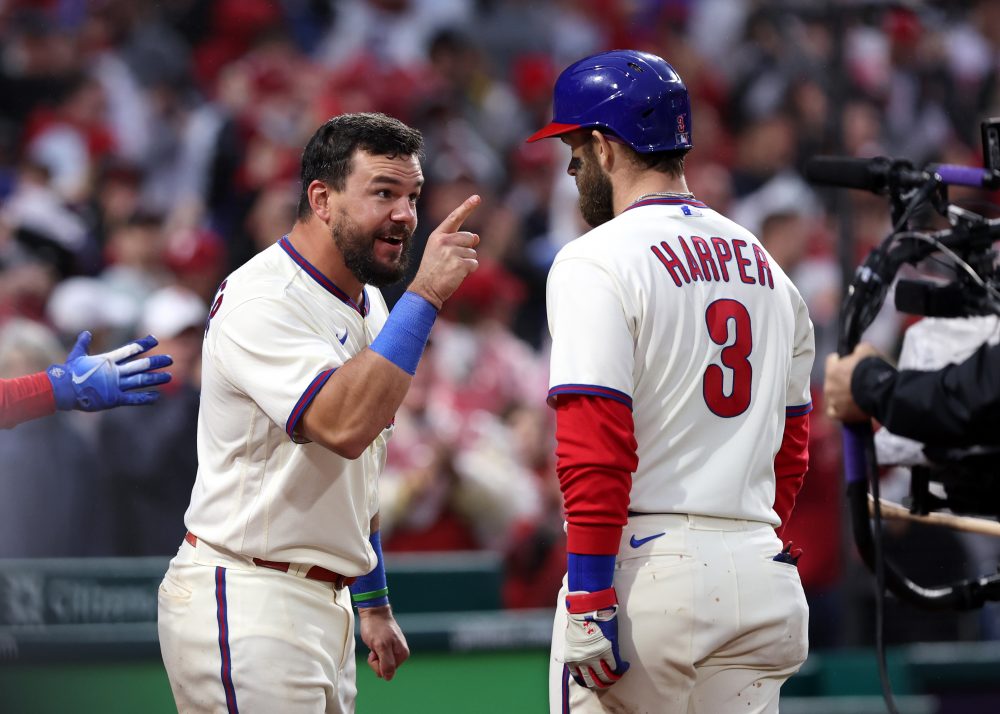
(292, 425)
(222, 616)
(590, 389)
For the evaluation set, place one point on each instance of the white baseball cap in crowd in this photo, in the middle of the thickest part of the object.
(171, 310)
(85, 303)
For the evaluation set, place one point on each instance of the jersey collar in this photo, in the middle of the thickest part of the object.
(325, 282)
(665, 201)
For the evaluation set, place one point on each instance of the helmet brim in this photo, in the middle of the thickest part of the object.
(553, 129)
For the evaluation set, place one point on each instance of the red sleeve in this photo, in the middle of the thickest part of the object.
(25, 398)
(595, 458)
(790, 464)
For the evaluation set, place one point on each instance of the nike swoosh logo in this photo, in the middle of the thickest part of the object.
(81, 378)
(342, 340)
(638, 542)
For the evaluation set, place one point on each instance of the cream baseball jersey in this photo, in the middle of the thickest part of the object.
(276, 332)
(679, 313)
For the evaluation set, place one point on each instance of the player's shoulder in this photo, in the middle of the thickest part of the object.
(266, 276)
(708, 222)
(728, 228)
(596, 245)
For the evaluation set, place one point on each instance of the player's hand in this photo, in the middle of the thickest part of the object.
(450, 255)
(591, 651)
(383, 637)
(102, 381)
(837, 384)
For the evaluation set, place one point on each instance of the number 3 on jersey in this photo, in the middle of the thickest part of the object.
(718, 317)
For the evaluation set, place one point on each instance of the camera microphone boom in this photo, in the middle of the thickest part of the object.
(880, 173)
(866, 174)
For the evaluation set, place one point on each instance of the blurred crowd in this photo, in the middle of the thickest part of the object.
(148, 147)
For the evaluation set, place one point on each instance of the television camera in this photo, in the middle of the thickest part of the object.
(969, 478)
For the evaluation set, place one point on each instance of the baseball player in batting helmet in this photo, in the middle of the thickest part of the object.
(680, 368)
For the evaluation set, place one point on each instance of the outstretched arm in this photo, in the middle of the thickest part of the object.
(25, 398)
(88, 383)
(957, 405)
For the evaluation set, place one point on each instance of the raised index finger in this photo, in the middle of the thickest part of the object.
(457, 217)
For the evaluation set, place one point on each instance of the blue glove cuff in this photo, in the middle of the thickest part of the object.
(62, 386)
(589, 573)
(371, 590)
(405, 332)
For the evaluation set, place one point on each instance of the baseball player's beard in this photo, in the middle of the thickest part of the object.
(596, 191)
(358, 250)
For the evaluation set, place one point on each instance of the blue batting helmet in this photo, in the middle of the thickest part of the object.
(634, 95)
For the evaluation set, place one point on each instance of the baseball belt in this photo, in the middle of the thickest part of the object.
(314, 573)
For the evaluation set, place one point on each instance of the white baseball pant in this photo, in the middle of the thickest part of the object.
(238, 637)
(708, 621)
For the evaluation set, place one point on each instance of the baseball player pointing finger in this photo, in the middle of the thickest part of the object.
(680, 377)
(304, 368)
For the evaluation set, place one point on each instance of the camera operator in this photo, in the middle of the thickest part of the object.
(957, 405)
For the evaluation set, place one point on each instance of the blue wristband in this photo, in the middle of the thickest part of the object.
(405, 332)
(371, 590)
(589, 573)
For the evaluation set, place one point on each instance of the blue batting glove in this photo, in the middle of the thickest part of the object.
(591, 651)
(93, 383)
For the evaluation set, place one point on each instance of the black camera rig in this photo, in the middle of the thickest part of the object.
(968, 477)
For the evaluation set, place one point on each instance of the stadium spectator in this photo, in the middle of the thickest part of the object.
(148, 495)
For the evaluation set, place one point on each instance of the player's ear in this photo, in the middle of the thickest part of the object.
(603, 150)
(319, 199)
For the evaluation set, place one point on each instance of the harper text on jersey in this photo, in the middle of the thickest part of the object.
(711, 259)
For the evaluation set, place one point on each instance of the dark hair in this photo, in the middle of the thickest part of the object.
(327, 156)
(667, 162)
